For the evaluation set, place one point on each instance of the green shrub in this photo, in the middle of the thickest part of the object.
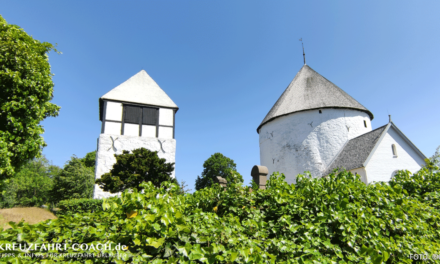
(418, 184)
(74, 206)
(131, 169)
(337, 219)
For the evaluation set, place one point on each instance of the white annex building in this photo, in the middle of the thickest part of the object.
(135, 114)
(315, 126)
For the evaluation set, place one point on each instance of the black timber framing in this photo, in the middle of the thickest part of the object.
(101, 106)
(140, 123)
(174, 123)
(123, 120)
(104, 114)
(141, 117)
(157, 123)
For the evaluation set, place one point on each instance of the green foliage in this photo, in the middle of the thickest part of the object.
(75, 206)
(31, 185)
(26, 89)
(89, 160)
(73, 182)
(435, 159)
(131, 169)
(337, 219)
(218, 165)
(423, 185)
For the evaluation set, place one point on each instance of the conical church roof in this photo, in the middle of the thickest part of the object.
(310, 90)
(141, 89)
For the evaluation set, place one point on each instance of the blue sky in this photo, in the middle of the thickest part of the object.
(225, 63)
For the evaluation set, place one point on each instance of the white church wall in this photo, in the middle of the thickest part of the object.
(361, 172)
(309, 140)
(383, 163)
(148, 131)
(106, 149)
(166, 117)
(113, 111)
(112, 128)
(131, 130)
(165, 132)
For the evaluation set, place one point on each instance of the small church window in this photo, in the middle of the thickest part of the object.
(393, 147)
(320, 111)
(365, 123)
(132, 114)
(149, 116)
(136, 114)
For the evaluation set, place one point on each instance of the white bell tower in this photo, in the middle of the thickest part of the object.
(135, 114)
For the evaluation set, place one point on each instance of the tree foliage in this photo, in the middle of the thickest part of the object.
(131, 169)
(218, 165)
(31, 185)
(435, 159)
(73, 182)
(337, 219)
(26, 89)
(83, 205)
(89, 160)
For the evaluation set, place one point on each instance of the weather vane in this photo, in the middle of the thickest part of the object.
(304, 54)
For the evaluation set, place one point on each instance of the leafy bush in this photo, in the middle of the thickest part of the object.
(337, 219)
(418, 184)
(131, 169)
(423, 185)
(74, 206)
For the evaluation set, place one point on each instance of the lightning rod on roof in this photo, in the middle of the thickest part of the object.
(304, 54)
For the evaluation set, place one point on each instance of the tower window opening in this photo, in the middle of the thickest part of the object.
(365, 123)
(393, 147)
(320, 111)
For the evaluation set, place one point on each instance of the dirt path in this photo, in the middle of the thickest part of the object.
(31, 215)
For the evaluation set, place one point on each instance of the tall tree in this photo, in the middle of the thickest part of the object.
(26, 89)
(218, 165)
(31, 185)
(131, 169)
(74, 181)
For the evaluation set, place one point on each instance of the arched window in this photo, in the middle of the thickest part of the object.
(393, 147)
(320, 111)
(365, 123)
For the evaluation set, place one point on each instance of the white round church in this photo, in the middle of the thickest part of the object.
(315, 126)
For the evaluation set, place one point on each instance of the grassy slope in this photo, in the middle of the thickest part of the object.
(31, 215)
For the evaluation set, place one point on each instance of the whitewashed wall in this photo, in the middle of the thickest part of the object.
(166, 117)
(308, 141)
(112, 128)
(105, 156)
(362, 172)
(114, 111)
(383, 163)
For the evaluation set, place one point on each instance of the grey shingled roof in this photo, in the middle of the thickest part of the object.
(356, 151)
(310, 90)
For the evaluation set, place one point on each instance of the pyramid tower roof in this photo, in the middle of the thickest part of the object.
(139, 89)
(309, 90)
